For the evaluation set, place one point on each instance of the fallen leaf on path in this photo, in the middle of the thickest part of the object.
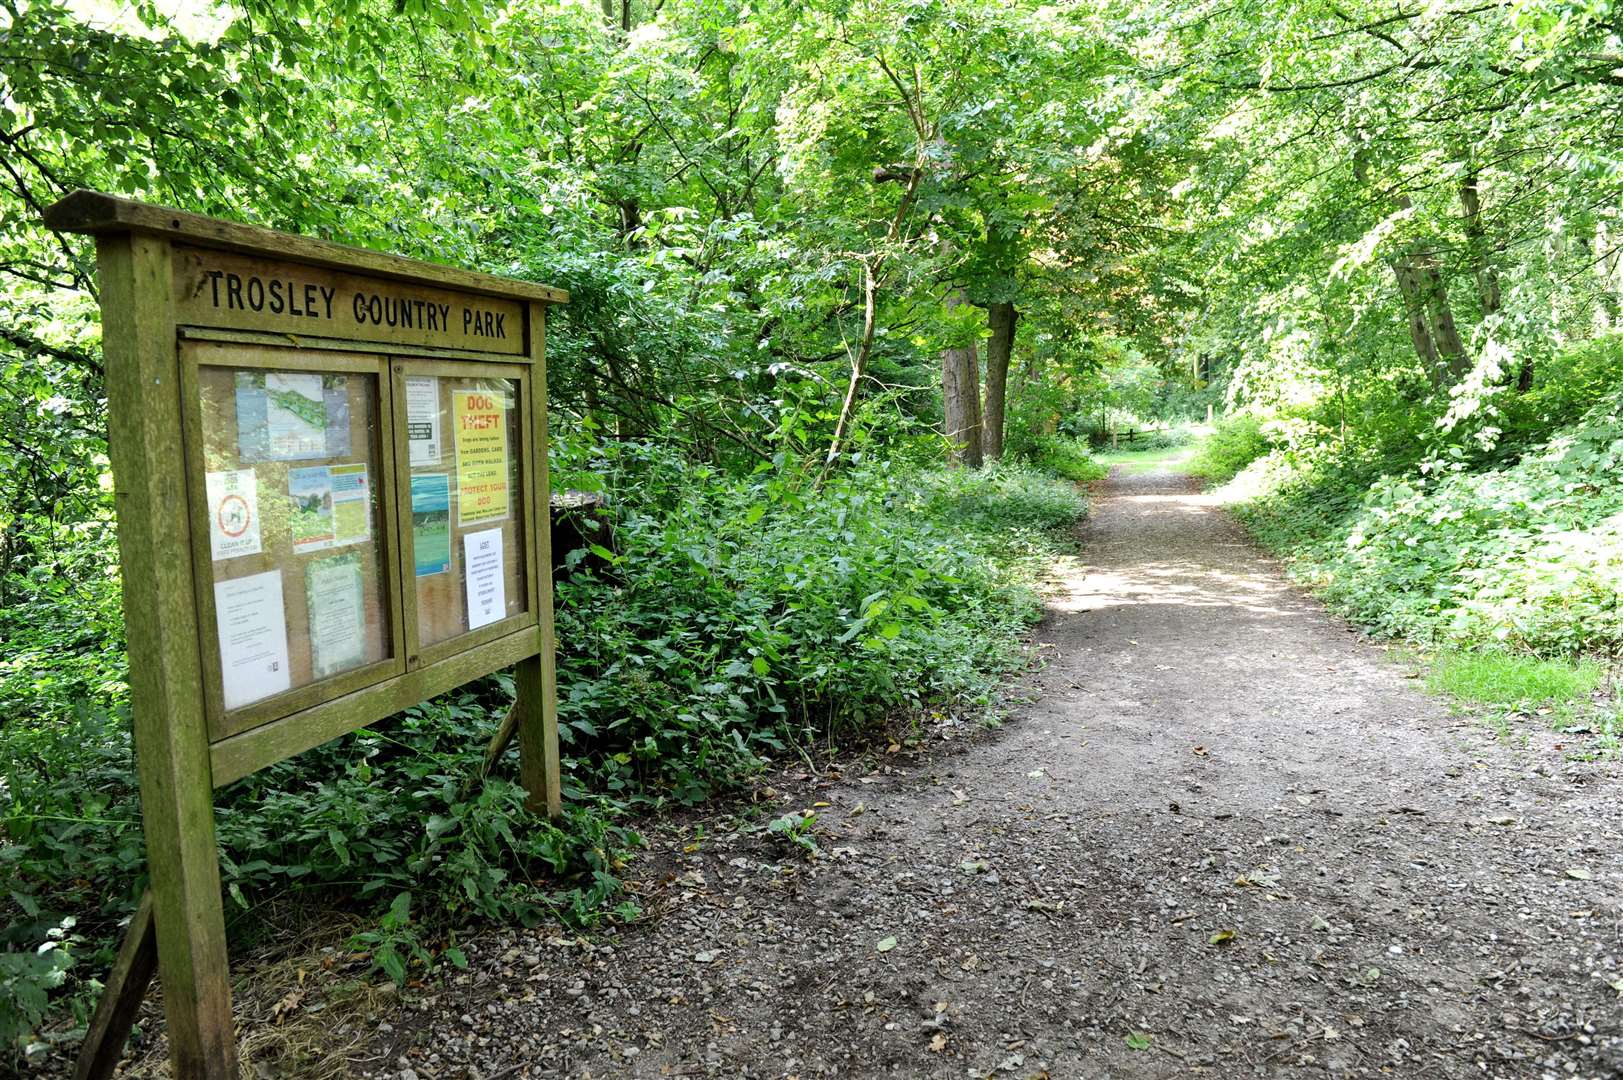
(958, 797)
(1201, 751)
(973, 866)
(886, 944)
(938, 1043)
(1222, 937)
(1578, 873)
(1137, 1040)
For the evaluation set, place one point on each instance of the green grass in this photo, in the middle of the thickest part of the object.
(1134, 462)
(1498, 678)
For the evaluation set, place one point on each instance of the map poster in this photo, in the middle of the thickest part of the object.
(337, 615)
(431, 523)
(295, 415)
(298, 414)
(487, 585)
(423, 419)
(351, 504)
(480, 420)
(310, 491)
(233, 513)
(252, 625)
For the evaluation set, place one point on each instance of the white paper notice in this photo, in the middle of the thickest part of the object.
(233, 513)
(423, 419)
(487, 585)
(253, 637)
(337, 617)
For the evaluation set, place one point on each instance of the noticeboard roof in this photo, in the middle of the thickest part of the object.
(95, 212)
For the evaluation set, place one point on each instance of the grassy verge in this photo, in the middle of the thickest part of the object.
(1161, 459)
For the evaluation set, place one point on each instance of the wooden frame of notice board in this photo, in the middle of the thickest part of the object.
(330, 470)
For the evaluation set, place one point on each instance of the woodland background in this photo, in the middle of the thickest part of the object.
(817, 252)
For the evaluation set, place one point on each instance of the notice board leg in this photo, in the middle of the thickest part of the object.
(160, 610)
(121, 997)
(538, 736)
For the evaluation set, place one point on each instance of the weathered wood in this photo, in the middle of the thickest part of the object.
(159, 443)
(537, 680)
(121, 996)
(160, 613)
(96, 213)
(233, 291)
(251, 751)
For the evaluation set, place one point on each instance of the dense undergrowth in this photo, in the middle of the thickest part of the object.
(737, 622)
(1510, 542)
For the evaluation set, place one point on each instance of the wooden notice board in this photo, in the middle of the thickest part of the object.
(329, 467)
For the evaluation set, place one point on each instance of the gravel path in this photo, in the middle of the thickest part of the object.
(1225, 837)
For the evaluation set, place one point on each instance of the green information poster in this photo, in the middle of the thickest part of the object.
(431, 523)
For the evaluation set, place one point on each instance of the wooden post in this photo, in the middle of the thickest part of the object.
(536, 678)
(160, 611)
(121, 997)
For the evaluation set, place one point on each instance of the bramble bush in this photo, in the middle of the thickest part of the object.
(740, 621)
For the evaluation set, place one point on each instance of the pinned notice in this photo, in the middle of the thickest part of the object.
(480, 420)
(423, 419)
(252, 625)
(487, 585)
(233, 513)
(431, 523)
(337, 615)
(295, 415)
(351, 504)
(311, 492)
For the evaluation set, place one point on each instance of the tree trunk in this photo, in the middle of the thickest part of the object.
(1414, 309)
(961, 394)
(1451, 354)
(1000, 319)
(1476, 236)
(859, 364)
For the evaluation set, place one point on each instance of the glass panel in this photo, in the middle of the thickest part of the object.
(295, 524)
(465, 446)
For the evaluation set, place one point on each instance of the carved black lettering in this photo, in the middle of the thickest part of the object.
(374, 310)
(467, 317)
(445, 317)
(327, 295)
(233, 291)
(405, 314)
(310, 302)
(501, 331)
(391, 311)
(418, 304)
(276, 296)
(214, 279)
(256, 294)
(360, 308)
(293, 300)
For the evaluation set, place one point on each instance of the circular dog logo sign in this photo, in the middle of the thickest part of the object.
(234, 516)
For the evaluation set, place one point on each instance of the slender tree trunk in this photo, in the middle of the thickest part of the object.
(1476, 236)
(1487, 275)
(859, 363)
(1000, 319)
(961, 393)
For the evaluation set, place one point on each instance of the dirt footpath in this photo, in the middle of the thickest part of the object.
(1227, 838)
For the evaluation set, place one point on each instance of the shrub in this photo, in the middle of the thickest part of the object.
(739, 620)
(1067, 457)
(1234, 443)
(1524, 555)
